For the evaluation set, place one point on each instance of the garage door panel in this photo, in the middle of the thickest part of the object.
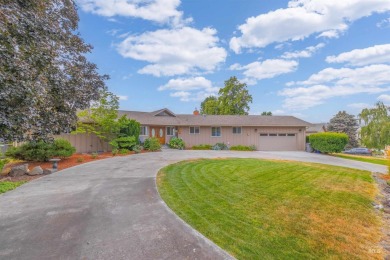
(278, 142)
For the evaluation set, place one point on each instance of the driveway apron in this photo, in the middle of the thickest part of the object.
(110, 209)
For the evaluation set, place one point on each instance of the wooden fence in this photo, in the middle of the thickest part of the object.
(86, 143)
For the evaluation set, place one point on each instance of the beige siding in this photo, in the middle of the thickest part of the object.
(85, 143)
(249, 136)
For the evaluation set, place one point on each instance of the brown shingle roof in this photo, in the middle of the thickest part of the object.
(149, 118)
(317, 128)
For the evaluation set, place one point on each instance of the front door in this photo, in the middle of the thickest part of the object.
(159, 133)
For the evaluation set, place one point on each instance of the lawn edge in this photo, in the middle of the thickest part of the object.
(195, 232)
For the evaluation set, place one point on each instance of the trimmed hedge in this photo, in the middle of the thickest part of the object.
(328, 142)
(202, 147)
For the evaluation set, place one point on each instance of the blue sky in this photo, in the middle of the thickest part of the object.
(308, 58)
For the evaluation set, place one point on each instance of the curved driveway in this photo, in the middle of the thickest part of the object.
(110, 209)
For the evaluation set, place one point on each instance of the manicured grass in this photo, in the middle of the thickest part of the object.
(260, 209)
(8, 185)
(369, 159)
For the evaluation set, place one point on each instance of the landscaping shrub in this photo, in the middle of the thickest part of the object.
(152, 144)
(328, 142)
(202, 147)
(94, 155)
(114, 151)
(137, 148)
(129, 127)
(63, 148)
(123, 151)
(42, 150)
(220, 146)
(176, 143)
(243, 148)
(125, 142)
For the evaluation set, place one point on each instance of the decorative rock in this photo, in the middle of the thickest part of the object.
(5, 171)
(19, 170)
(49, 171)
(5, 179)
(36, 171)
(379, 206)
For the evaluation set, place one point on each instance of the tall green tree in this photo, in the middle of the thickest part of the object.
(233, 99)
(343, 122)
(45, 77)
(376, 130)
(210, 106)
(101, 118)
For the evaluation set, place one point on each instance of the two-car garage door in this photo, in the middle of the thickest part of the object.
(278, 142)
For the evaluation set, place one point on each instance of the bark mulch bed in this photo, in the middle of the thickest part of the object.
(76, 159)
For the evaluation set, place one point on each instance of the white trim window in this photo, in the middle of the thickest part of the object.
(170, 130)
(236, 130)
(194, 130)
(144, 131)
(216, 131)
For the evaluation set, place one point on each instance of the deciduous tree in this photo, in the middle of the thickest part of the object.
(265, 113)
(101, 118)
(376, 130)
(233, 99)
(210, 106)
(44, 74)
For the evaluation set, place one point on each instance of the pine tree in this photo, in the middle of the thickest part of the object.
(343, 122)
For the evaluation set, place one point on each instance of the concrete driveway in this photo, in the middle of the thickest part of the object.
(110, 209)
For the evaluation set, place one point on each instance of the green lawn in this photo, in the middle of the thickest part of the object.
(8, 185)
(260, 209)
(369, 159)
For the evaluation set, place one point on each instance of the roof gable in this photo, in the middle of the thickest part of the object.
(163, 112)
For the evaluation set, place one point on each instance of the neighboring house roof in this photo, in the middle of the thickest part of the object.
(317, 128)
(159, 118)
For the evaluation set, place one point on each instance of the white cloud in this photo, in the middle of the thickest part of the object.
(113, 32)
(384, 98)
(266, 69)
(306, 53)
(161, 11)
(190, 89)
(330, 83)
(360, 57)
(303, 18)
(384, 23)
(359, 106)
(122, 97)
(175, 51)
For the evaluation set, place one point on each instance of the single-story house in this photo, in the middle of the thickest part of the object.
(266, 133)
(316, 128)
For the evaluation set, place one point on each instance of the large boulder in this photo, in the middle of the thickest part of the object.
(36, 171)
(19, 170)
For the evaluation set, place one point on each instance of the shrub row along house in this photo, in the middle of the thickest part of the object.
(266, 133)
